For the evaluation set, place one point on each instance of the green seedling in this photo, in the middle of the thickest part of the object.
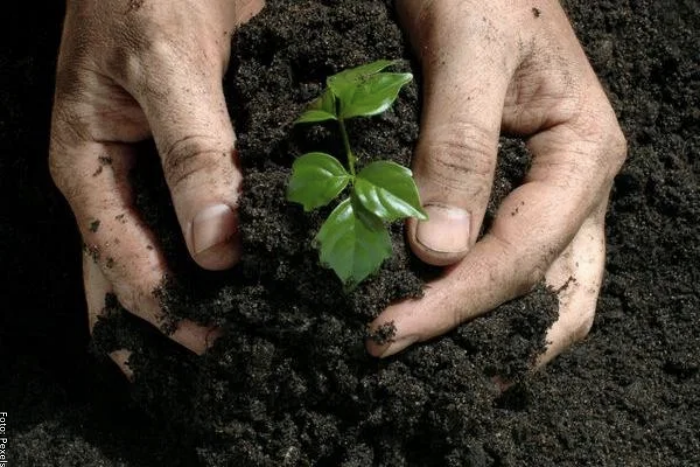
(354, 240)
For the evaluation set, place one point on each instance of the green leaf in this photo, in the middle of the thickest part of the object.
(374, 95)
(321, 109)
(317, 178)
(353, 243)
(326, 102)
(312, 116)
(354, 75)
(365, 90)
(388, 191)
(344, 84)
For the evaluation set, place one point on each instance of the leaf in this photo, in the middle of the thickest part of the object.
(353, 243)
(321, 109)
(317, 178)
(374, 95)
(326, 102)
(388, 191)
(365, 90)
(312, 116)
(353, 75)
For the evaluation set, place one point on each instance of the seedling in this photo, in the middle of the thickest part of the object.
(354, 240)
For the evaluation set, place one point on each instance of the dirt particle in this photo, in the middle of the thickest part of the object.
(536, 12)
(134, 5)
(517, 209)
(110, 262)
(95, 225)
(93, 251)
(104, 160)
(569, 281)
(384, 334)
(121, 218)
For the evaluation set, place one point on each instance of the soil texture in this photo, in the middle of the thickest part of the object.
(290, 383)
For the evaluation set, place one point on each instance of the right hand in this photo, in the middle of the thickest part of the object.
(129, 70)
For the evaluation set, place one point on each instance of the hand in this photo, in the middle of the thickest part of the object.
(128, 71)
(487, 67)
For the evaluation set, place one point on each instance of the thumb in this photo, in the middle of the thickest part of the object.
(184, 103)
(464, 89)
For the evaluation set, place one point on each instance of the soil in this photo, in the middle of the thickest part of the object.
(290, 383)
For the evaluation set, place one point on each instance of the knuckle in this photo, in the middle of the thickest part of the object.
(57, 167)
(611, 154)
(136, 64)
(61, 172)
(191, 156)
(140, 43)
(462, 158)
(605, 131)
(149, 50)
(69, 121)
(618, 148)
(70, 80)
(600, 155)
(522, 271)
(137, 299)
(67, 129)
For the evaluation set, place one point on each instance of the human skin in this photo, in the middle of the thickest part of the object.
(131, 70)
(512, 67)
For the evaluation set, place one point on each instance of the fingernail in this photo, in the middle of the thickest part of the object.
(212, 226)
(446, 230)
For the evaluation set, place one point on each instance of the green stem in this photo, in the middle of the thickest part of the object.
(348, 152)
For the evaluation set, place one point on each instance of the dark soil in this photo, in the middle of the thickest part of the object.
(290, 383)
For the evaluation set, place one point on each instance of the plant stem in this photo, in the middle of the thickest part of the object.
(348, 151)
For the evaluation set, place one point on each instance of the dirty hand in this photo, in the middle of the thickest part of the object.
(514, 67)
(130, 70)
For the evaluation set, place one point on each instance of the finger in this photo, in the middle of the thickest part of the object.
(455, 158)
(180, 91)
(96, 289)
(94, 179)
(532, 227)
(121, 358)
(576, 276)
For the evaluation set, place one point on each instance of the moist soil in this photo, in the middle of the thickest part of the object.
(289, 383)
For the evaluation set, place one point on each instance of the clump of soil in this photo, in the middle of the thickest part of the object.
(290, 382)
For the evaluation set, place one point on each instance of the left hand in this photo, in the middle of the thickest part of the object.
(497, 65)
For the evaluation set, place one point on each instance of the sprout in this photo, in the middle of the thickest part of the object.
(354, 240)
